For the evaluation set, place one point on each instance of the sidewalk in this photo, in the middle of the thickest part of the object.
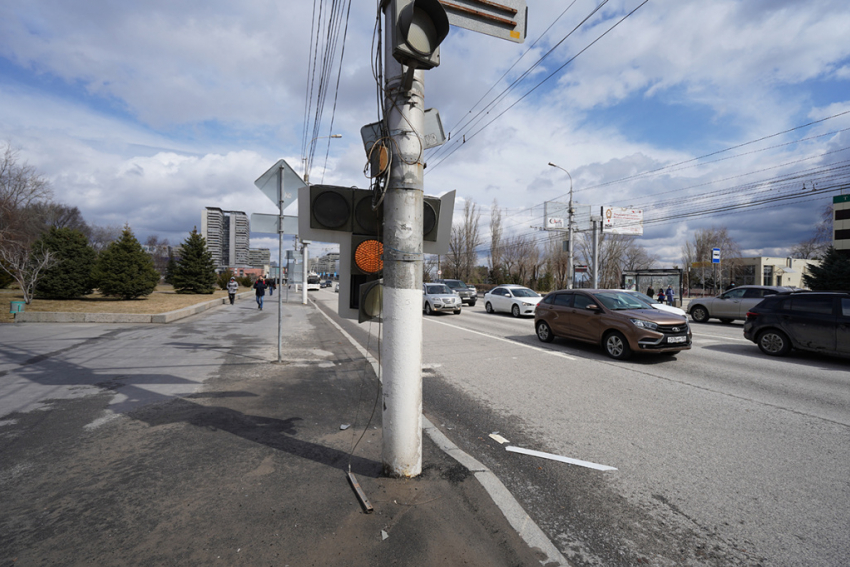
(250, 470)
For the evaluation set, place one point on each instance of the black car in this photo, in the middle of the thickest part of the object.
(817, 321)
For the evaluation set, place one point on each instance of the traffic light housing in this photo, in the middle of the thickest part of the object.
(418, 28)
(329, 213)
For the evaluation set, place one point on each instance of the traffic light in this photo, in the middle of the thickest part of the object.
(418, 28)
(344, 209)
(329, 213)
(366, 267)
(430, 218)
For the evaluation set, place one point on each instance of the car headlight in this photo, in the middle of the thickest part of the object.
(644, 324)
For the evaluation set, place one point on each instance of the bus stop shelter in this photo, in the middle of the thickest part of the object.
(642, 280)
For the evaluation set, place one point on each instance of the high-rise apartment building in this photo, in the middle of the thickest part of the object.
(228, 236)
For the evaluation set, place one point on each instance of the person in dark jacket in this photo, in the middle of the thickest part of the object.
(260, 290)
(650, 292)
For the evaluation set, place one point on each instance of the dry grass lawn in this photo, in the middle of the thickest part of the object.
(162, 300)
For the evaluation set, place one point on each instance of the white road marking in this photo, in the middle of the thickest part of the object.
(553, 457)
(543, 350)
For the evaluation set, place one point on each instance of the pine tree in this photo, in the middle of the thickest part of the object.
(833, 274)
(170, 267)
(195, 272)
(71, 277)
(125, 269)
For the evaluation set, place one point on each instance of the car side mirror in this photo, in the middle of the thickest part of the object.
(592, 307)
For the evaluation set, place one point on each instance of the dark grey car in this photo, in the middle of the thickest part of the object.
(467, 294)
(807, 320)
(732, 304)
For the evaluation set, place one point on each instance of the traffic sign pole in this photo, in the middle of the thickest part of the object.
(280, 271)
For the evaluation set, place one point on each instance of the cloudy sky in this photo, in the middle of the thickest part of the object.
(145, 113)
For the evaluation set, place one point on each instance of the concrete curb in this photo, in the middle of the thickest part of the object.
(169, 317)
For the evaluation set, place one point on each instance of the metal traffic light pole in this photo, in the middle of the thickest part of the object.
(401, 348)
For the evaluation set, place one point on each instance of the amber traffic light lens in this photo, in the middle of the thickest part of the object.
(367, 256)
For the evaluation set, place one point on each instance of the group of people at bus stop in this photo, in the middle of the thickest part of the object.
(260, 286)
(662, 296)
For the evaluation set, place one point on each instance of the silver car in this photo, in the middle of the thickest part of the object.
(733, 304)
(438, 297)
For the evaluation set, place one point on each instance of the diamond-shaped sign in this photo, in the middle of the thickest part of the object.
(269, 183)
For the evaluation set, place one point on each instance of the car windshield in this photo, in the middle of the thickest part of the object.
(618, 301)
(437, 289)
(456, 284)
(645, 298)
(524, 292)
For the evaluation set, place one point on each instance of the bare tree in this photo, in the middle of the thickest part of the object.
(158, 249)
(101, 236)
(21, 186)
(26, 266)
(819, 243)
(698, 251)
(494, 258)
(556, 258)
(465, 238)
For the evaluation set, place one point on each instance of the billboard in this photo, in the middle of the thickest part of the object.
(622, 220)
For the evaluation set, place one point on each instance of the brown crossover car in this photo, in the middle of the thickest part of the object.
(614, 319)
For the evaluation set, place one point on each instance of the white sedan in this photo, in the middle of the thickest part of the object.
(514, 299)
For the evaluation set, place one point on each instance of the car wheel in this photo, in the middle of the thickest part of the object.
(773, 342)
(428, 310)
(472, 304)
(515, 310)
(488, 307)
(726, 321)
(699, 314)
(617, 346)
(544, 333)
(457, 311)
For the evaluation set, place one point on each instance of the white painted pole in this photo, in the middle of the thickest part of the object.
(280, 271)
(596, 254)
(305, 259)
(401, 349)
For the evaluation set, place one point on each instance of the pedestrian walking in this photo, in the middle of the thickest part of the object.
(650, 292)
(260, 290)
(670, 295)
(232, 288)
(271, 285)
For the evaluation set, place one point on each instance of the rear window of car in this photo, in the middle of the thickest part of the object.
(563, 299)
(812, 304)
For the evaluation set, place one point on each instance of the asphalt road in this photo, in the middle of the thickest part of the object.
(724, 456)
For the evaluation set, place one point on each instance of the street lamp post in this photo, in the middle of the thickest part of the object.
(569, 230)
